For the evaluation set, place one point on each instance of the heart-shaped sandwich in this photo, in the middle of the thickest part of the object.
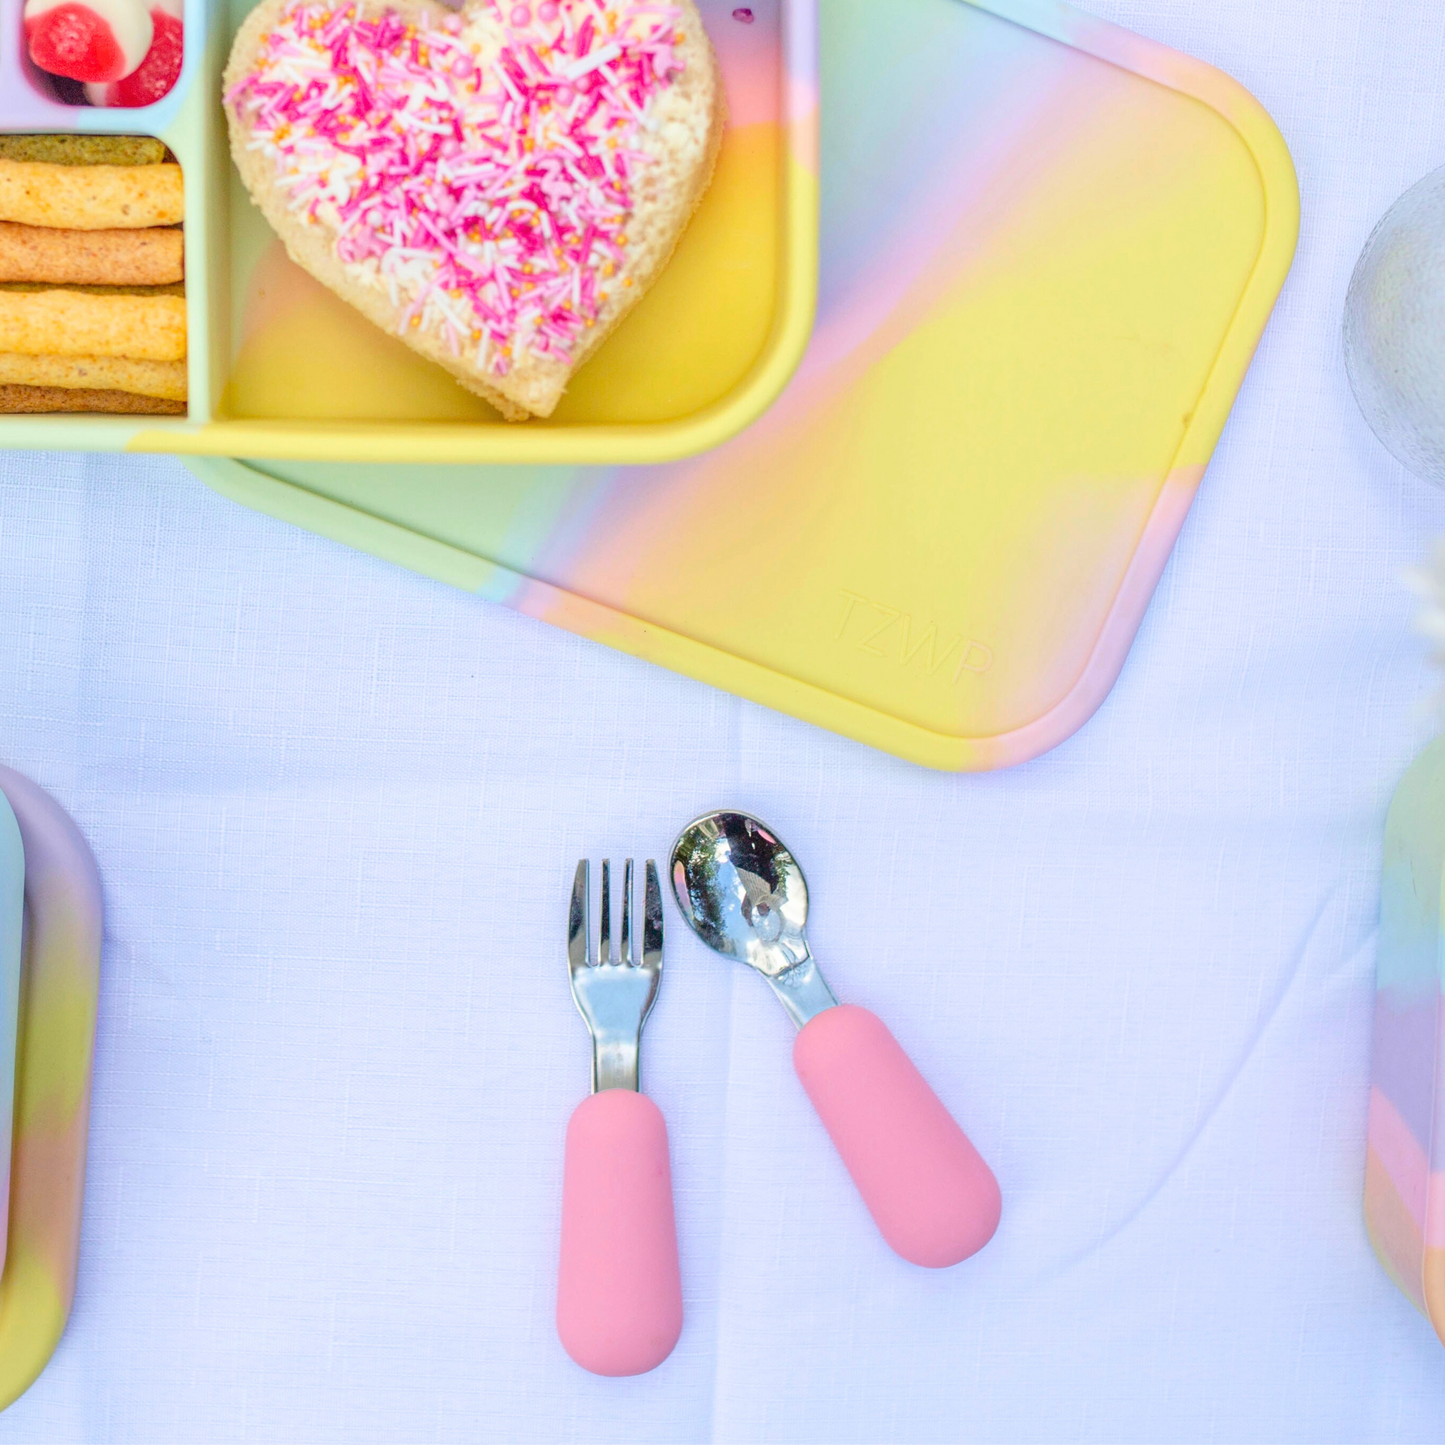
(497, 185)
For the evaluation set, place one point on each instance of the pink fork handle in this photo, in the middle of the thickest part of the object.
(619, 1292)
(932, 1196)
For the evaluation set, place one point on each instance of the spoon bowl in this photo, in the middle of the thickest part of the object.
(742, 891)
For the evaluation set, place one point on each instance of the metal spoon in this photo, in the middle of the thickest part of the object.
(746, 897)
(932, 1196)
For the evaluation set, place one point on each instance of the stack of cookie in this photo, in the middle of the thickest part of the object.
(92, 276)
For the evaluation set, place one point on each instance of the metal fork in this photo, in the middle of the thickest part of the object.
(614, 998)
(619, 1289)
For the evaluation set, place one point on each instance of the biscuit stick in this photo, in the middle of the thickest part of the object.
(151, 257)
(39, 399)
(163, 379)
(84, 150)
(74, 323)
(90, 198)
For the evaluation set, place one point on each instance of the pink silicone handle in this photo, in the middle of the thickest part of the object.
(928, 1190)
(619, 1292)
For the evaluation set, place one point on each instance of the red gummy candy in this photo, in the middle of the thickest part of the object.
(73, 41)
(159, 71)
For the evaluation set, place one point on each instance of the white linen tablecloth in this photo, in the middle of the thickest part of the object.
(337, 807)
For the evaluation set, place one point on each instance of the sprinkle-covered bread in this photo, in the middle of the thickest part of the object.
(498, 186)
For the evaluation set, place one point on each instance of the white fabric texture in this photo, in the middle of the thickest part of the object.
(337, 807)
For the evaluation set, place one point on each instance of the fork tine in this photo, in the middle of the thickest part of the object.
(604, 951)
(579, 919)
(652, 920)
(624, 955)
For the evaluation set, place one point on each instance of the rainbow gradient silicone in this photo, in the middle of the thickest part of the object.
(932, 1197)
(1405, 1161)
(1048, 250)
(279, 367)
(58, 997)
(12, 911)
(619, 1289)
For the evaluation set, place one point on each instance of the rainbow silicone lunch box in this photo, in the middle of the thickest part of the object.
(1048, 250)
(1405, 1158)
(279, 367)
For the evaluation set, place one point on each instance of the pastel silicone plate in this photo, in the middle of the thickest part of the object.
(1049, 249)
(280, 368)
(12, 907)
(58, 999)
(1405, 1158)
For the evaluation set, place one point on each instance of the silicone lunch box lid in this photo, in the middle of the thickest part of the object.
(1050, 248)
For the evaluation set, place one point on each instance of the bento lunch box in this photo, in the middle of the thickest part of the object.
(281, 368)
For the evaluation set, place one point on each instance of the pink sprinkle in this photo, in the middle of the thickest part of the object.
(491, 200)
(744, 15)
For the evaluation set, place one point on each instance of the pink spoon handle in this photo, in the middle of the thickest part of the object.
(932, 1196)
(619, 1292)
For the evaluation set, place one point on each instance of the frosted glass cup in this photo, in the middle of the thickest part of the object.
(1395, 329)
